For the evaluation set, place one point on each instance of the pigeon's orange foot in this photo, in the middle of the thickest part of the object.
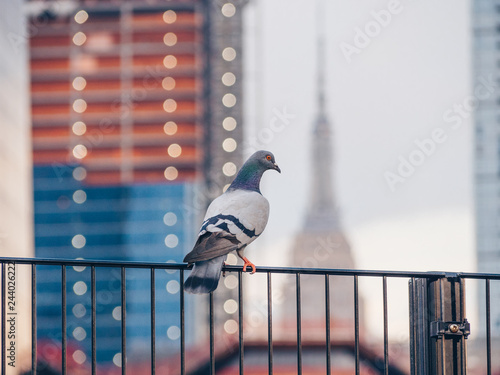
(224, 272)
(248, 263)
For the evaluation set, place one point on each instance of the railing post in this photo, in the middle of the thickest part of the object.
(419, 332)
(438, 327)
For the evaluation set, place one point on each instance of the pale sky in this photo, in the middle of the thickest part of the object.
(393, 94)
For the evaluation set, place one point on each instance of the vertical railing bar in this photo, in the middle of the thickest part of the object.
(269, 324)
(411, 324)
(299, 324)
(33, 320)
(463, 358)
(356, 324)
(413, 302)
(4, 320)
(442, 317)
(240, 321)
(386, 328)
(124, 325)
(212, 335)
(488, 328)
(327, 324)
(93, 319)
(64, 322)
(183, 328)
(153, 321)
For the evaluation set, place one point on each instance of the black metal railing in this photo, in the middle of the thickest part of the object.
(424, 288)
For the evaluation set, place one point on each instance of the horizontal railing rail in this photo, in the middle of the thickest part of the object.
(259, 269)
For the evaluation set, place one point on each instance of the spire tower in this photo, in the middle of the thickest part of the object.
(322, 214)
(321, 242)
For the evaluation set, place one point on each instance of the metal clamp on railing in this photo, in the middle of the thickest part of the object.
(438, 328)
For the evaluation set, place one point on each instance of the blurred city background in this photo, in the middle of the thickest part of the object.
(122, 120)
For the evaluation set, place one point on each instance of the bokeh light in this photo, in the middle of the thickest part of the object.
(79, 128)
(229, 53)
(228, 79)
(79, 268)
(78, 241)
(170, 61)
(170, 105)
(231, 259)
(229, 100)
(79, 333)
(79, 357)
(171, 240)
(170, 219)
(81, 17)
(171, 173)
(117, 313)
(231, 281)
(79, 196)
(170, 39)
(117, 359)
(170, 128)
(79, 38)
(79, 310)
(80, 288)
(174, 150)
(229, 145)
(79, 105)
(79, 151)
(173, 332)
(173, 287)
(228, 10)
(229, 169)
(230, 306)
(169, 16)
(231, 326)
(79, 173)
(168, 83)
(229, 123)
(79, 83)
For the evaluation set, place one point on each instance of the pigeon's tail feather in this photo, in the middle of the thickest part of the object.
(205, 276)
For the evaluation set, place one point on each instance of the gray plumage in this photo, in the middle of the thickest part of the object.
(233, 220)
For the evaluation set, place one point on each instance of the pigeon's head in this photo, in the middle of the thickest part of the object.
(249, 176)
(265, 160)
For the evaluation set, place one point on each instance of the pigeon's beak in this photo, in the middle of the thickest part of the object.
(277, 168)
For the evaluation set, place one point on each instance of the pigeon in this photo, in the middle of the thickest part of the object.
(233, 220)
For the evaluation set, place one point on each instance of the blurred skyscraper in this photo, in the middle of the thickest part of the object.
(137, 112)
(16, 228)
(321, 242)
(486, 44)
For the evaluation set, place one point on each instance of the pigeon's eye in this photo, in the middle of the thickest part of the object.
(268, 157)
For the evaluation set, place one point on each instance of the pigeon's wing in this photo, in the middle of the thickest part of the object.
(211, 245)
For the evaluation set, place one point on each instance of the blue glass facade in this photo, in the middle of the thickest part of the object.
(128, 222)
